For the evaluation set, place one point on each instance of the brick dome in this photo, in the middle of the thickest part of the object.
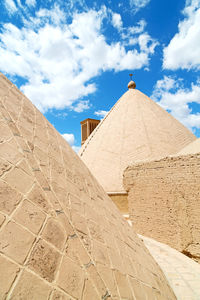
(61, 237)
(135, 129)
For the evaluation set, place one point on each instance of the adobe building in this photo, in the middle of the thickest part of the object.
(136, 129)
(61, 237)
(164, 199)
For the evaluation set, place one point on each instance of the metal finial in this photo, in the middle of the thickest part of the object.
(131, 84)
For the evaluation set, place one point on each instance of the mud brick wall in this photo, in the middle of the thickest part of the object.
(164, 201)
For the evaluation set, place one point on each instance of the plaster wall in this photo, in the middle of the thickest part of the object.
(164, 201)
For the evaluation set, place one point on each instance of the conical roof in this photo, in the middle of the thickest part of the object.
(192, 148)
(135, 129)
(61, 237)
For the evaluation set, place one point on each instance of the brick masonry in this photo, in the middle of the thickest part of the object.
(164, 201)
(61, 237)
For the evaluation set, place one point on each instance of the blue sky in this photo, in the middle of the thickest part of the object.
(72, 58)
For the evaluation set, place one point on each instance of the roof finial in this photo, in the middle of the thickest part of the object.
(131, 84)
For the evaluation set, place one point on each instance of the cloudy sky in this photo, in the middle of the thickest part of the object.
(72, 58)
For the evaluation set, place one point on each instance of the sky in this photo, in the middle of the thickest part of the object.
(73, 58)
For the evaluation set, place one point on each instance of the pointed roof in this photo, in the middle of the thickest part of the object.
(192, 148)
(135, 129)
(60, 234)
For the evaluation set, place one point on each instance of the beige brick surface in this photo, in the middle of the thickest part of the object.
(58, 226)
(37, 196)
(135, 129)
(9, 198)
(15, 241)
(137, 288)
(164, 201)
(4, 167)
(8, 151)
(89, 291)
(58, 295)
(30, 216)
(109, 279)
(44, 261)
(71, 278)
(123, 286)
(95, 231)
(79, 222)
(8, 273)
(22, 185)
(2, 219)
(97, 280)
(54, 233)
(100, 253)
(5, 132)
(76, 251)
(30, 287)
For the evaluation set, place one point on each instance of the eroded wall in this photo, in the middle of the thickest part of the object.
(164, 201)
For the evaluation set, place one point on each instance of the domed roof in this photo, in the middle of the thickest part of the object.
(61, 237)
(192, 148)
(135, 129)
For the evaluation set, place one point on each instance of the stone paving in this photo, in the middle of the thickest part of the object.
(183, 273)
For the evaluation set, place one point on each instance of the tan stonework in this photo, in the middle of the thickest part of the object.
(61, 237)
(191, 148)
(164, 201)
(31, 287)
(135, 129)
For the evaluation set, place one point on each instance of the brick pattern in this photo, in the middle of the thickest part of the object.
(61, 237)
(135, 129)
(164, 201)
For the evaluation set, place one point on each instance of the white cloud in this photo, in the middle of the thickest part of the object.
(31, 2)
(10, 6)
(101, 113)
(165, 84)
(17, 7)
(117, 21)
(184, 48)
(69, 137)
(61, 115)
(172, 96)
(138, 4)
(139, 28)
(19, 3)
(54, 15)
(61, 63)
(144, 41)
(81, 106)
(128, 34)
(76, 148)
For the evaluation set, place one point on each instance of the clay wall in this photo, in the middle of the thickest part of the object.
(164, 201)
(120, 201)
